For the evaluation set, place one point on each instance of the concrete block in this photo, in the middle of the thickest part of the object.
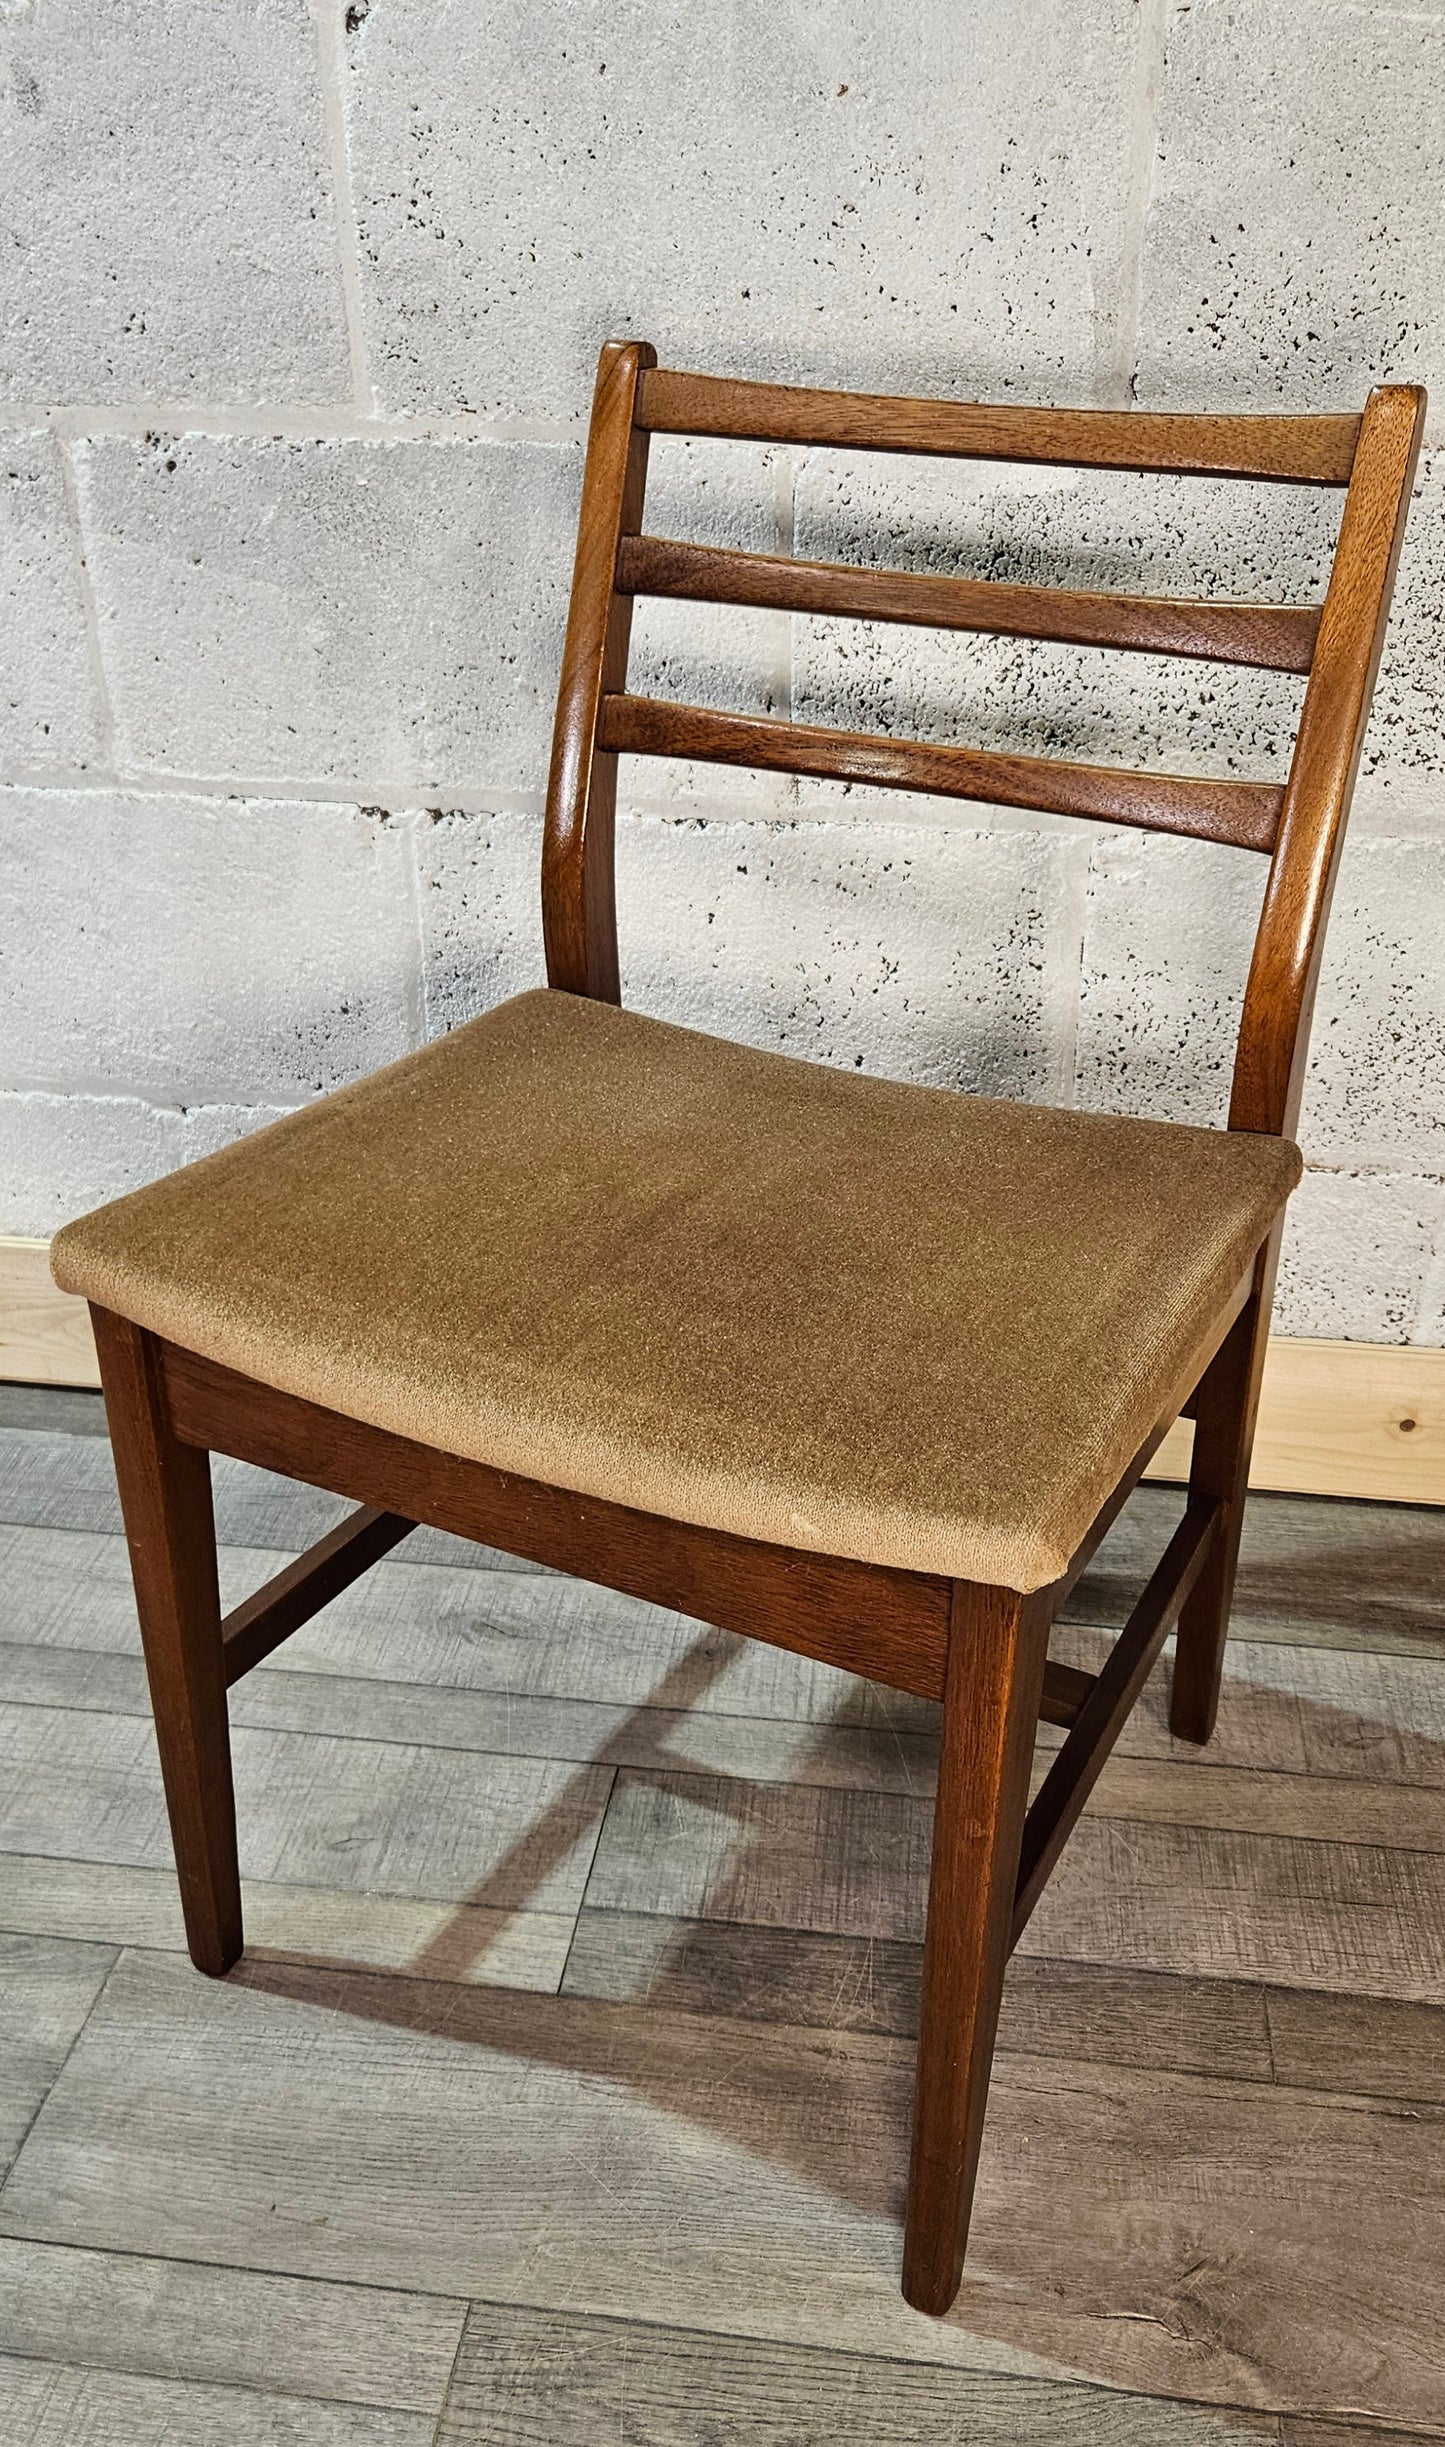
(1430, 1314)
(1358, 1247)
(1167, 939)
(168, 220)
(1402, 772)
(62, 1155)
(384, 615)
(723, 655)
(1295, 251)
(945, 956)
(479, 887)
(201, 951)
(799, 191)
(1376, 1087)
(1166, 952)
(47, 707)
(1057, 527)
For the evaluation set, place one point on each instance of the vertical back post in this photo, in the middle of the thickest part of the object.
(579, 899)
(1274, 1032)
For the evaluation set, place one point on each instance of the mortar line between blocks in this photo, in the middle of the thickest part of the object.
(414, 985)
(1152, 42)
(281, 421)
(332, 72)
(95, 659)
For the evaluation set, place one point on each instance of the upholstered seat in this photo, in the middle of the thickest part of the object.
(744, 1291)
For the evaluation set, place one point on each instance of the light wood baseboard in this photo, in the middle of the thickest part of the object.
(1342, 1418)
(1336, 1418)
(45, 1336)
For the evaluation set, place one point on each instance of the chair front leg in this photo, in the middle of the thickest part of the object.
(165, 1496)
(997, 1645)
(1226, 1408)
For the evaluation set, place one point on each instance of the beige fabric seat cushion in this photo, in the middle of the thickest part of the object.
(889, 1322)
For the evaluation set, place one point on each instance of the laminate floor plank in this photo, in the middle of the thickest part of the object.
(47, 1987)
(53, 1479)
(542, 2379)
(807, 1979)
(381, 1818)
(1184, 1791)
(47, 2404)
(1373, 1716)
(1313, 1569)
(66, 1410)
(1353, 1918)
(1295, 2433)
(175, 2319)
(1201, 1902)
(707, 1847)
(1303, 1711)
(533, 1634)
(140, 1907)
(1099, 2012)
(1180, 1785)
(1368, 2044)
(772, 1749)
(1222, 2242)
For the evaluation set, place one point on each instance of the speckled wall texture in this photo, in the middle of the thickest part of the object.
(298, 312)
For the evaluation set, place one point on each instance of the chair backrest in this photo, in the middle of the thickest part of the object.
(1299, 825)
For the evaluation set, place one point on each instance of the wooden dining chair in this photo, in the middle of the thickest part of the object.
(859, 1368)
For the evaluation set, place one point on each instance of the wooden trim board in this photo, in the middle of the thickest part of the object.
(1336, 1418)
(1342, 1418)
(45, 1336)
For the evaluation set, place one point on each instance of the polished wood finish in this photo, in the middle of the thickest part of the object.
(981, 1651)
(280, 1606)
(1108, 1702)
(1226, 1405)
(996, 1652)
(890, 1625)
(1300, 825)
(1242, 814)
(1279, 999)
(165, 1495)
(1270, 637)
(1281, 449)
(1066, 1687)
(579, 907)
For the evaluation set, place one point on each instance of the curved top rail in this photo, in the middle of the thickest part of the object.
(1275, 449)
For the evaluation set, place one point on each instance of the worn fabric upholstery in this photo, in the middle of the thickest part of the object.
(834, 1312)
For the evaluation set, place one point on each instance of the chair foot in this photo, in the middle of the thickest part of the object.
(165, 1494)
(997, 1645)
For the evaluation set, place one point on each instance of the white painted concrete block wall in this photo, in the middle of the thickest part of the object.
(299, 303)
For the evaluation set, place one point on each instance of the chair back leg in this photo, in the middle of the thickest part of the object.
(997, 1647)
(1226, 1407)
(165, 1495)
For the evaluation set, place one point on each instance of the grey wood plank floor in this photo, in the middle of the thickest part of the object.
(563, 2092)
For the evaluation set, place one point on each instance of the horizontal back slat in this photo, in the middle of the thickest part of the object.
(1277, 449)
(1244, 814)
(1269, 637)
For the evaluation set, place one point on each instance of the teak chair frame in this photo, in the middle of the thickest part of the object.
(981, 1651)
